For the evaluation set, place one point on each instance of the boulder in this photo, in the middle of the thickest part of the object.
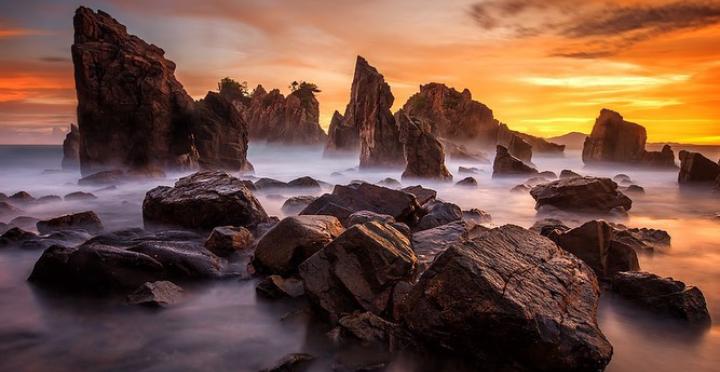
(467, 182)
(389, 182)
(361, 217)
(520, 189)
(510, 289)
(697, 169)
(291, 362)
(429, 243)
(71, 149)
(634, 189)
(594, 242)
(49, 199)
(424, 153)
(358, 270)
(508, 165)
(107, 177)
(269, 183)
(296, 204)
(15, 236)
(423, 195)
(614, 140)
(581, 194)
(305, 183)
(7, 208)
(663, 295)
(439, 213)
(566, 173)
(469, 170)
(515, 144)
(275, 286)
(292, 241)
(80, 195)
(369, 328)
(476, 216)
(21, 197)
(345, 200)
(548, 175)
(88, 221)
(157, 294)
(226, 240)
(203, 200)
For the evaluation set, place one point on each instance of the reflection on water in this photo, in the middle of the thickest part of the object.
(223, 326)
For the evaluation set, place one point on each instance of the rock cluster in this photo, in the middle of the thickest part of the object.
(614, 140)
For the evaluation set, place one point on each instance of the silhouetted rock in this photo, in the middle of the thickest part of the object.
(203, 200)
(88, 221)
(80, 195)
(390, 182)
(291, 362)
(424, 153)
(439, 213)
(345, 200)
(541, 145)
(358, 270)
(226, 240)
(305, 183)
(566, 173)
(614, 140)
(296, 204)
(663, 295)
(508, 165)
(697, 169)
(71, 149)
(15, 236)
(467, 182)
(581, 194)
(161, 293)
(510, 289)
(292, 241)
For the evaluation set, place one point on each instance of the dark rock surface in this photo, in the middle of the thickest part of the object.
(581, 194)
(296, 204)
(697, 169)
(361, 217)
(663, 295)
(506, 165)
(429, 243)
(515, 144)
(566, 173)
(467, 182)
(291, 362)
(88, 221)
(292, 241)
(158, 294)
(203, 200)
(71, 149)
(80, 195)
(511, 289)
(106, 177)
(424, 153)
(15, 236)
(439, 213)
(358, 270)
(422, 194)
(226, 240)
(476, 216)
(275, 286)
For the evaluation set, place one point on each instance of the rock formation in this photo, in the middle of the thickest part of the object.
(507, 165)
(581, 194)
(424, 154)
(515, 144)
(71, 149)
(133, 113)
(697, 169)
(368, 117)
(614, 140)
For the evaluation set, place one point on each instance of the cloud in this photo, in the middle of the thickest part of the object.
(593, 29)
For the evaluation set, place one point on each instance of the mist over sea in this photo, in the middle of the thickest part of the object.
(221, 325)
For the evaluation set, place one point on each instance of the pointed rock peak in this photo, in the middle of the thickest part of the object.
(607, 114)
(362, 67)
(337, 116)
(74, 128)
(466, 94)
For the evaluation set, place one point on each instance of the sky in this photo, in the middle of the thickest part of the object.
(545, 67)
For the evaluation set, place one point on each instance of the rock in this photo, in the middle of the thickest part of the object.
(305, 183)
(643, 240)
(275, 286)
(515, 144)
(697, 169)
(663, 295)
(390, 182)
(107, 177)
(159, 294)
(369, 328)
(460, 152)
(476, 216)
(548, 226)
(429, 243)
(581, 194)
(470, 170)
(467, 182)
(541, 145)
(621, 178)
(534, 181)
(270, 183)
(439, 213)
(203, 200)
(508, 165)
(520, 189)
(7, 208)
(24, 222)
(614, 140)
(358, 270)
(296, 204)
(345, 200)
(61, 237)
(291, 362)
(71, 149)
(361, 217)
(424, 153)
(566, 173)
(14, 236)
(88, 221)
(292, 241)
(226, 240)
(21, 197)
(548, 175)
(510, 289)
(595, 244)
(634, 189)
(79, 195)
(49, 199)
(343, 136)
(422, 194)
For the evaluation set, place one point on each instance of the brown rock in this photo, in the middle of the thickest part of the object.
(697, 169)
(226, 240)
(515, 144)
(506, 165)
(291, 362)
(160, 294)
(423, 195)
(296, 204)
(439, 213)
(71, 149)
(581, 194)
(84, 220)
(79, 195)
(424, 153)
(275, 286)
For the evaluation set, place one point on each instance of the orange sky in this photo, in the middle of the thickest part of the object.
(545, 67)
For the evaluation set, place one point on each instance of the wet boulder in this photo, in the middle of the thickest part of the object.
(226, 240)
(423, 195)
(361, 217)
(156, 294)
(476, 216)
(429, 243)
(275, 286)
(594, 242)
(293, 240)
(663, 295)
(296, 204)
(697, 169)
(439, 213)
(467, 182)
(345, 200)
(566, 173)
(507, 165)
(510, 289)
(270, 183)
(581, 194)
(203, 200)
(358, 270)
(88, 221)
(15, 236)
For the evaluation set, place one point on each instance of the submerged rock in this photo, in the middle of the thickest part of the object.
(160, 294)
(511, 289)
(424, 153)
(88, 221)
(663, 295)
(581, 194)
(508, 165)
(203, 200)
(358, 270)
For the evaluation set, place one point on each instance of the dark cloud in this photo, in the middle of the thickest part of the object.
(587, 24)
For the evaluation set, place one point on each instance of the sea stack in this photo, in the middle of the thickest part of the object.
(71, 149)
(424, 153)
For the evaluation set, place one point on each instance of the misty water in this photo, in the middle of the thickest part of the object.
(222, 325)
